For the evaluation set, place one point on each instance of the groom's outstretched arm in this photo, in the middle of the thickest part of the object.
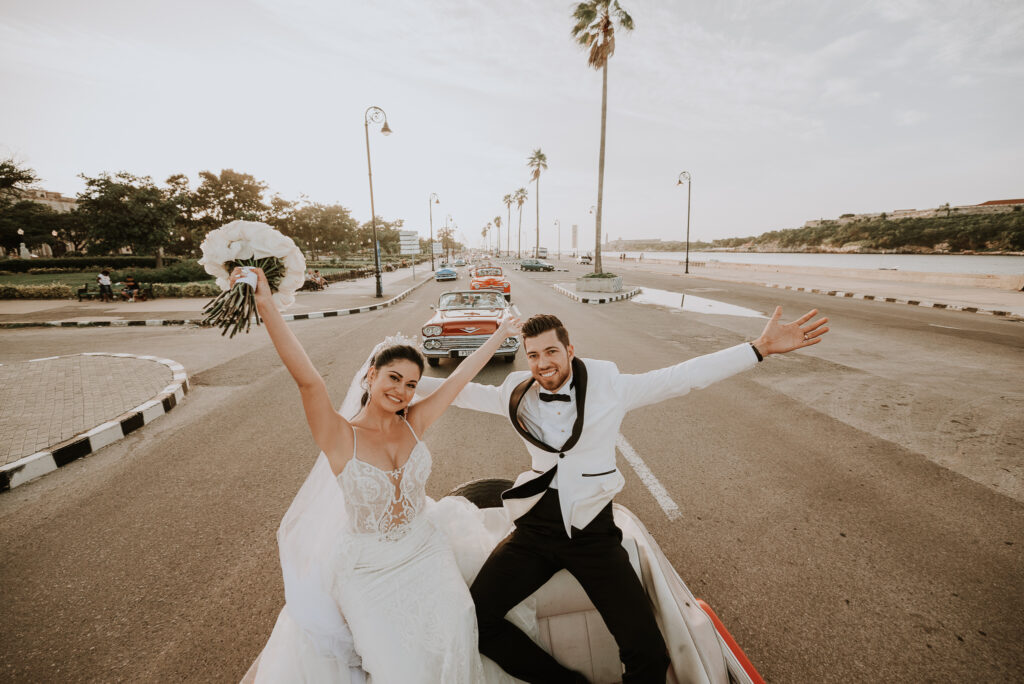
(474, 396)
(675, 381)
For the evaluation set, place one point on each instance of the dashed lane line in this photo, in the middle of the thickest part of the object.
(652, 483)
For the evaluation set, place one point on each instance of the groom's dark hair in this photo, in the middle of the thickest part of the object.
(541, 323)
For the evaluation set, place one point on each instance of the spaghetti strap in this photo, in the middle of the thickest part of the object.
(353, 440)
(410, 429)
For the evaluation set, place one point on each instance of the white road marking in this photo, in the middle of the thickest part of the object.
(655, 487)
(948, 327)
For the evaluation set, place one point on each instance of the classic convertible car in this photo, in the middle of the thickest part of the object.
(462, 322)
(571, 629)
(491, 278)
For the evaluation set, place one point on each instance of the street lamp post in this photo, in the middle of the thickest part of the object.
(685, 177)
(433, 199)
(375, 115)
(558, 225)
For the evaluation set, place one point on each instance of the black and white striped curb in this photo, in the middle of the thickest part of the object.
(90, 441)
(597, 300)
(199, 321)
(358, 310)
(894, 300)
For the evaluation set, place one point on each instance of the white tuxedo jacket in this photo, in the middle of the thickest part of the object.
(584, 468)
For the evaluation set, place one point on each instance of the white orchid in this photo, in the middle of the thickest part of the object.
(251, 243)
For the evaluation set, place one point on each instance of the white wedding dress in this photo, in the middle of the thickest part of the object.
(398, 573)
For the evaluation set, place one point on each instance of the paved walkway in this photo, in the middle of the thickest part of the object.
(48, 401)
(344, 294)
(959, 296)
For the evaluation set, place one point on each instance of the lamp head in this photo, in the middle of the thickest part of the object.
(385, 129)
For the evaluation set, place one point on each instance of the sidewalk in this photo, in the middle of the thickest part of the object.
(862, 285)
(347, 294)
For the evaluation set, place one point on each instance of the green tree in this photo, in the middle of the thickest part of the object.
(595, 30)
(188, 231)
(230, 196)
(125, 211)
(520, 198)
(72, 228)
(14, 179)
(537, 161)
(33, 219)
(323, 227)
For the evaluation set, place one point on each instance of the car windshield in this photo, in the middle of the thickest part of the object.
(488, 271)
(472, 300)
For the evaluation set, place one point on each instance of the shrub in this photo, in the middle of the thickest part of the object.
(43, 271)
(181, 272)
(600, 275)
(51, 291)
(209, 289)
(83, 263)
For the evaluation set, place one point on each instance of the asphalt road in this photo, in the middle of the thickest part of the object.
(853, 511)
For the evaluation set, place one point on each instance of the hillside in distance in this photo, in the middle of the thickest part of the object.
(955, 233)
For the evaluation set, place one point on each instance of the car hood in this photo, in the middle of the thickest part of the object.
(467, 321)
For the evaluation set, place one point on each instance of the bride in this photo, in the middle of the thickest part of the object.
(374, 585)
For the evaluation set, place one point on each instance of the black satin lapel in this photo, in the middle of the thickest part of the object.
(537, 485)
(513, 414)
(579, 376)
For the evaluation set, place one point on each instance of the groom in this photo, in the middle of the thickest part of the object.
(568, 412)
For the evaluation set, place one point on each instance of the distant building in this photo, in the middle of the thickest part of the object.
(54, 200)
(990, 207)
(994, 202)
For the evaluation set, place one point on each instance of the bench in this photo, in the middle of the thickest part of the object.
(85, 293)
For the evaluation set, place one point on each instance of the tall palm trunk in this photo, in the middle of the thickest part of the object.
(600, 172)
(519, 240)
(508, 230)
(536, 191)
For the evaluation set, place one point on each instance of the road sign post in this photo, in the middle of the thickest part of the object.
(409, 243)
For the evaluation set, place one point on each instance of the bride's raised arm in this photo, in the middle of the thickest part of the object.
(423, 414)
(330, 430)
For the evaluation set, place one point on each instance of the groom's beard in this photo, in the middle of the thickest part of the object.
(552, 382)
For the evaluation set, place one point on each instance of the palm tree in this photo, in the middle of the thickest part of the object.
(497, 224)
(595, 29)
(483, 234)
(520, 198)
(537, 161)
(507, 200)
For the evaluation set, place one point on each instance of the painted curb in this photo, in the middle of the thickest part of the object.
(358, 310)
(895, 300)
(853, 295)
(596, 300)
(199, 322)
(89, 442)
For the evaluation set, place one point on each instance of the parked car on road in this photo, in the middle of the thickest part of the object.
(584, 259)
(462, 322)
(446, 274)
(460, 262)
(535, 265)
(491, 278)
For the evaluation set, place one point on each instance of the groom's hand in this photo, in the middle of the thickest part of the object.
(779, 338)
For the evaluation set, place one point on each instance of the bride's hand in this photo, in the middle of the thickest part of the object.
(510, 326)
(262, 286)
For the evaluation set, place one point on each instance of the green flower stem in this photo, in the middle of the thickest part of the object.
(235, 309)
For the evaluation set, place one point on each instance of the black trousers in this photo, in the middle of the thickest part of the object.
(528, 557)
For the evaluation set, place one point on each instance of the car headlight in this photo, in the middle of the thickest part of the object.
(431, 330)
(510, 342)
(432, 344)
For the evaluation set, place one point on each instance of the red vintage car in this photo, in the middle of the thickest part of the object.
(462, 322)
(491, 278)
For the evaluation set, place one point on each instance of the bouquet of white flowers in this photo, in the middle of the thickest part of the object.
(249, 243)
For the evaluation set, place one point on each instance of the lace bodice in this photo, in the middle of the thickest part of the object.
(385, 502)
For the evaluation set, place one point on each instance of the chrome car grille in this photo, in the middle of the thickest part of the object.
(461, 341)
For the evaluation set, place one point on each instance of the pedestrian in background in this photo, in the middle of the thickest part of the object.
(106, 290)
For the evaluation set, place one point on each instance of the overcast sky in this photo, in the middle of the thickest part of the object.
(782, 111)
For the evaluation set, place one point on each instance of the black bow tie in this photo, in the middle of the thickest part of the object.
(554, 397)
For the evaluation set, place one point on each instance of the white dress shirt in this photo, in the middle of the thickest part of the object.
(549, 421)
